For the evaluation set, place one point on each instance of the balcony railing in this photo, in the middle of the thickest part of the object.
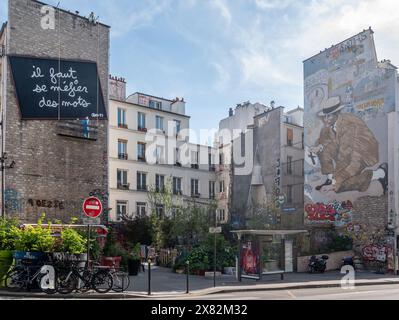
(142, 129)
(194, 166)
(77, 129)
(141, 159)
(122, 125)
(123, 156)
(123, 186)
(141, 188)
(196, 195)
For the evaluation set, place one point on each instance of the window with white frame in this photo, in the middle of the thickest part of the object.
(221, 186)
(159, 183)
(141, 209)
(177, 190)
(159, 209)
(141, 151)
(122, 179)
(121, 209)
(141, 121)
(159, 123)
(155, 104)
(211, 189)
(122, 118)
(195, 188)
(221, 215)
(177, 126)
(122, 149)
(141, 181)
(159, 154)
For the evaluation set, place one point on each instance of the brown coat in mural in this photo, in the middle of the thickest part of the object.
(348, 148)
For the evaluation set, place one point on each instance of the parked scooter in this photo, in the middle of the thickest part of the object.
(317, 264)
(348, 261)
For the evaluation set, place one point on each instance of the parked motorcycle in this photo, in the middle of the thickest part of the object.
(318, 264)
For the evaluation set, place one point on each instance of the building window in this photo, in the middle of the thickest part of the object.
(155, 104)
(194, 160)
(141, 209)
(289, 165)
(122, 179)
(159, 123)
(122, 149)
(159, 183)
(141, 151)
(122, 118)
(159, 155)
(141, 122)
(221, 215)
(177, 126)
(159, 209)
(211, 189)
(289, 194)
(221, 159)
(177, 157)
(221, 186)
(177, 186)
(141, 181)
(195, 188)
(211, 163)
(121, 209)
(290, 137)
(143, 101)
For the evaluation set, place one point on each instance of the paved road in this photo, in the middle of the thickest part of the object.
(382, 292)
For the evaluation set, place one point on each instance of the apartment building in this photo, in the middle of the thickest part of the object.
(266, 165)
(148, 148)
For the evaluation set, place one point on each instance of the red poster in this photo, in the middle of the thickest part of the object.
(250, 264)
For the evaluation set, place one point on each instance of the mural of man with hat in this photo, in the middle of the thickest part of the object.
(347, 150)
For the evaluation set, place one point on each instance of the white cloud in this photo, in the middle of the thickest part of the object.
(223, 75)
(223, 9)
(124, 19)
(273, 4)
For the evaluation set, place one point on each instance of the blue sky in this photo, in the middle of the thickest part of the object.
(217, 53)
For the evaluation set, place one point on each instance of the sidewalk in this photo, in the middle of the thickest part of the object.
(165, 283)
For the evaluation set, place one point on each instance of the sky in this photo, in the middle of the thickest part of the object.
(218, 53)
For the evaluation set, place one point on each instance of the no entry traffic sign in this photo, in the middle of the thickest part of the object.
(92, 207)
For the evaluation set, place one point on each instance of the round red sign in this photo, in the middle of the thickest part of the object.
(92, 207)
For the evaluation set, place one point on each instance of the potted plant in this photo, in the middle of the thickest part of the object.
(32, 243)
(199, 261)
(134, 260)
(112, 252)
(6, 246)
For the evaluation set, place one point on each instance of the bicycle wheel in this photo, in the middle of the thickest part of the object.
(84, 283)
(16, 279)
(48, 291)
(102, 282)
(66, 282)
(121, 281)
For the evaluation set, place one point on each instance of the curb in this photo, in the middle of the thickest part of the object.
(203, 292)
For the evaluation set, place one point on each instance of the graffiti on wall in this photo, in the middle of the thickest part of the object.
(337, 213)
(279, 199)
(13, 201)
(348, 94)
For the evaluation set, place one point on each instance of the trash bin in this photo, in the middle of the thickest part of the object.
(133, 267)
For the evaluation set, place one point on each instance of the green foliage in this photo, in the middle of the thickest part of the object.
(198, 258)
(135, 252)
(6, 237)
(72, 242)
(225, 254)
(38, 239)
(340, 243)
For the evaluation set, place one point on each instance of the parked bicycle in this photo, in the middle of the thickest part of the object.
(83, 279)
(25, 275)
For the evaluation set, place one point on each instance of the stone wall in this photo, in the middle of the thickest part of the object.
(53, 174)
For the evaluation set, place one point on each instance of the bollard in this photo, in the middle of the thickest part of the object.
(149, 277)
(188, 278)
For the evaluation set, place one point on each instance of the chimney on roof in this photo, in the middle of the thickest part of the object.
(272, 104)
(117, 88)
(231, 112)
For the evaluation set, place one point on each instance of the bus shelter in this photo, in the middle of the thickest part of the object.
(265, 252)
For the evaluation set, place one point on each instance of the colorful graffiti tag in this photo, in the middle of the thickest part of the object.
(375, 252)
(338, 213)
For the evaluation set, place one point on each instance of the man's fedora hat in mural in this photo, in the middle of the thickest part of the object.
(331, 105)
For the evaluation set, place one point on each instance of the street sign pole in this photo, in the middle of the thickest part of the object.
(88, 246)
